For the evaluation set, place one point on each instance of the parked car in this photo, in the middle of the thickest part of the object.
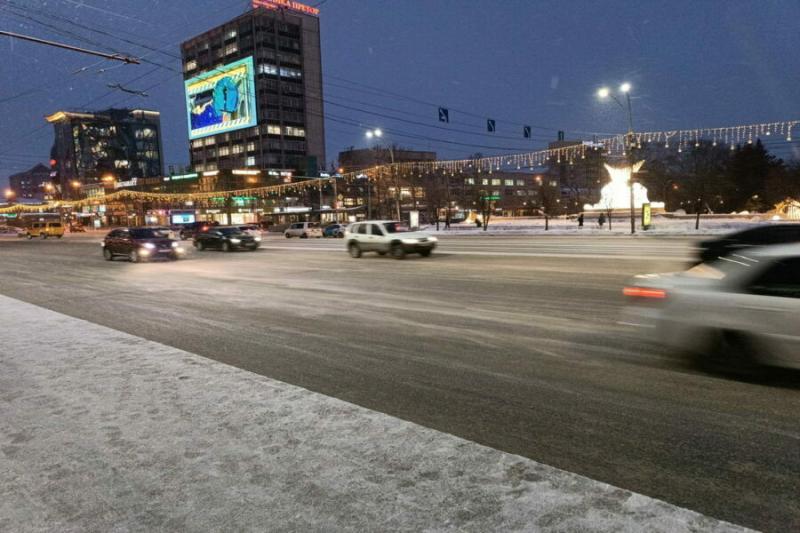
(741, 240)
(334, 230)
(44, 230)
(303, 230)
(227, 239)
(387, 236)
(141, 244)
(733, 313)
(189, 231)
(11, 231)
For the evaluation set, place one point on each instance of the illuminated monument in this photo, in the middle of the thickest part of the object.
(617, 194)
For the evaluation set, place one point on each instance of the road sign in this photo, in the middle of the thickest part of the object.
(493, 197)
(444, 114)
(526, 132)
(646, 219)
(490, 126)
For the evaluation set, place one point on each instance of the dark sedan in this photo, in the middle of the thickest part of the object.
(758, 236)
(227, 239)
(141, 244)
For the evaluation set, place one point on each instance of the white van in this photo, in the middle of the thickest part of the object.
(304, 230)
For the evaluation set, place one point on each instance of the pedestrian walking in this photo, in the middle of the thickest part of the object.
(580, 220)
(601, 219)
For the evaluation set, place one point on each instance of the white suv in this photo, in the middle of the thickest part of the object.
(303, 230)
(387, 236)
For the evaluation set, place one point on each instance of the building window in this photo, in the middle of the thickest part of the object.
(230, 35)
(223, 151)
(495, 181)
(484, 181)
(291, 73)
(469, 181)
(190, 65)
(295, 132)
(237, 148)
(210, 141)
(197, 143)
(231, 49)
(273, 129)
(266, 68)
(251, 161)
(251, 147)
(509, 183)
(520, 183)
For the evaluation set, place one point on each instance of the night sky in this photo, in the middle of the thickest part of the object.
(692, 64)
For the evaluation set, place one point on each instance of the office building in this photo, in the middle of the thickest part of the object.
(32, 184)
(254, 92)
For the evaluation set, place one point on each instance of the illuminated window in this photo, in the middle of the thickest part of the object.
(251, 161)
(266, 68)
(223, 151)
(190, 65)
(197, 143)
(496, 181)
(237, 148)
(509, 183)
(230, 35)
(273, 129)
(251, 147)
(295, 132)
(291, 73)
(484, 181)
(470, 181)
(520, 183)
(210, 141)
(231, 49)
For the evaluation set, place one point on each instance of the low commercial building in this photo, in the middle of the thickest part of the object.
(32, 184)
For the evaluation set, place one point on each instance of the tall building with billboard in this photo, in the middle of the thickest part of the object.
(254, 92)
(122, 143)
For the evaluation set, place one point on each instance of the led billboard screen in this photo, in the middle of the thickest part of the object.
(223, 99)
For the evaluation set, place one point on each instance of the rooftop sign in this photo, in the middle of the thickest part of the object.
(287, 4)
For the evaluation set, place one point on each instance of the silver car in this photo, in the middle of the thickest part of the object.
(304, 230)
(387, 236)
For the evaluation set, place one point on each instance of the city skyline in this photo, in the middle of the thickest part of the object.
(718, 69)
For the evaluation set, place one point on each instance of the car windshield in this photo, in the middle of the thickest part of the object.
(395, 227)
(229, 231)
(313, 224)
(149, 233)
(722, 267)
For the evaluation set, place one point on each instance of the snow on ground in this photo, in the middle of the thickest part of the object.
(105, 431)
(683, 226)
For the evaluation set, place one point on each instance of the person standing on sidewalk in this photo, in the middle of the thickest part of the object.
(580, 220)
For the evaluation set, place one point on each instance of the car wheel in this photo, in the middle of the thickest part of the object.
(397, 251)
(59, 236)
(107, 254)
(287, 235)
(43, 236)
(304, 236)
(425, 253)
(355, 250)
(226, 246)
(200, 246)
(29, 236)
(729, 352)
(381, 253)
(173, 256)
(134, 256)
(341, 235)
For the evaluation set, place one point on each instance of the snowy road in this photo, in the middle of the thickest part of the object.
(520, 352)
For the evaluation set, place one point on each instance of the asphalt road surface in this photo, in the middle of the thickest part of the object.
(512, 342)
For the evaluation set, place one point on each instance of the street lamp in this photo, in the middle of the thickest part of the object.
(378, 133)
(9, 194)
(602, 94)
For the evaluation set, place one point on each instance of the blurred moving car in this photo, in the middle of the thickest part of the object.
(227, 239)
(44, 230)
(387, 236)
(189, 231)
(759, 236)
(735, 313)
(251, 229)
(334, 230)
(141, 244)
(11, 231)
(303, 230)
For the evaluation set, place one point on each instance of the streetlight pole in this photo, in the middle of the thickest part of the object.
(625, 89)
(377, 132)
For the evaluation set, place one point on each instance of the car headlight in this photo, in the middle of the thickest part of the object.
(175, 245)
(433, 239)
(410, 241)
(149, 246)
(257, 239)
(235, 241)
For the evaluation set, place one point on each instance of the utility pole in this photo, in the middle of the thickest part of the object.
(115, 57)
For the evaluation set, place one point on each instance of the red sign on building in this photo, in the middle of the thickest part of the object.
(287, 4)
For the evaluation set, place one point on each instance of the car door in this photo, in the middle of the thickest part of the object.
(123, 243)
(378, 241)
(363, 236)
(771, 305)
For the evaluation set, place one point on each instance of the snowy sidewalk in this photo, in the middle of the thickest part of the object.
(104, 431)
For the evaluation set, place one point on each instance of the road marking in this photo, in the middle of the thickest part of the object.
(134, 422)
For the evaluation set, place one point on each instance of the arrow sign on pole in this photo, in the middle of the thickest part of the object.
(444, 115)
(526, 132)
(490, 126)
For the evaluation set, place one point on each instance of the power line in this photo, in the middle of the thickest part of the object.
(115, 57)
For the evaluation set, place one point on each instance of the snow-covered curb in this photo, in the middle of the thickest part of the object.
(105, 431)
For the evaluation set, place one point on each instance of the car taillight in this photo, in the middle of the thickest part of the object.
(644, 292)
